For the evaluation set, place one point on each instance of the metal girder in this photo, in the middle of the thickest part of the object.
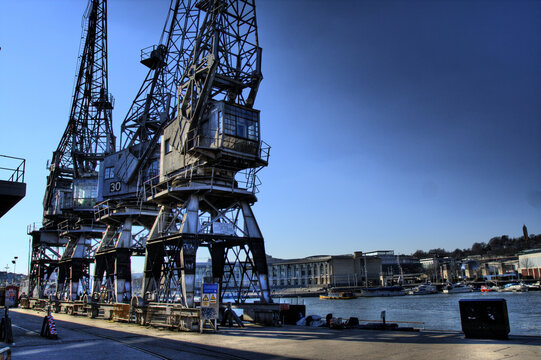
(235, 245)
(125, 236)
(73, 278)
(155, 102)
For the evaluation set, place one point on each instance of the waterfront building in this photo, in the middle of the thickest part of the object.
(430, 268)
(490, 267)
(494, 267)
(470, 268)
(326, 271)
(359, 269)
(529, 263)
(396, 269)
(449, 270)
(444, 269)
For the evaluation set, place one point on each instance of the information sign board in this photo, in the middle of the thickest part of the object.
(209, 302)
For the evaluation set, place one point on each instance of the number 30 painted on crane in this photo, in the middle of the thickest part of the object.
(115, 186)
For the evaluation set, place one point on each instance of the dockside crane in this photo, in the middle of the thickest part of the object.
(124, 207)
(64, 243)
(210, 155)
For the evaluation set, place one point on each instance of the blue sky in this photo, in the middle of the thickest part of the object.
(398, 125)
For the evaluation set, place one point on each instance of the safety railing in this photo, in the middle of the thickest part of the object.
(33, 227)
(65, 225)
(147, 52)
(101, 210)
(229, 142)
(16, 173)
(110, 207)
(5, 353)
(244, 180)
(264, 151)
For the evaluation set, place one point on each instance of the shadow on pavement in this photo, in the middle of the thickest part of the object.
(81, 341)
(307, 333)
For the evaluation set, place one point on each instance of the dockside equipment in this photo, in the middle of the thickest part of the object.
(123, 206)
(210, 156)
(63, 245)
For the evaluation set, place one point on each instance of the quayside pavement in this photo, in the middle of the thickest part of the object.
(84, 338)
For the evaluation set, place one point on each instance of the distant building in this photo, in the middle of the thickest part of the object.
(449, 270)
(444, 269)
(374, 268)
(470, 268)
(325, 271)
(381, 267)
(529, 263)
(490, 267)
(494, 267)
(396, 268)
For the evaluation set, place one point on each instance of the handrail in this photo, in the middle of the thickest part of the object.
(18, 172)
(245, 179)
(33, 227)
(5, 353)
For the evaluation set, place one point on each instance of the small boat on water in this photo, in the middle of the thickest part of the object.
(345, 295)
(534, 287)
(457, 289)
(383, 291)
(514, 287)
(424, 289)
(486, 288)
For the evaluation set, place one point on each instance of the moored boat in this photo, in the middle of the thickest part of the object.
(345, 295)
(534, 287)
(514, 287)
(424, 289)
(457, 289)
(486, 288)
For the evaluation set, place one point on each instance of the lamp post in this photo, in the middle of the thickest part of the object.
(14, 262)
(7, 273)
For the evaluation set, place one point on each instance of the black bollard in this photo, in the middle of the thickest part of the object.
(6, 333)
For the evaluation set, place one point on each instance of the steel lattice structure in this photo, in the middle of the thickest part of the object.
(72, 182)
(128, 215)
(155, 102)
(210, 155)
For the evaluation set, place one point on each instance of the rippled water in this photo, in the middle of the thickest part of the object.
(437, 311)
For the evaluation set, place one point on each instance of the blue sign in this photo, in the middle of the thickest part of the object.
(210, 288)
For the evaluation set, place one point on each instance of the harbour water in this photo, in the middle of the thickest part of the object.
(436, 311)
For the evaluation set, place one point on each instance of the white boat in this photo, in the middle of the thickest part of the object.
(425, 289)
(514, 287)
(457, 289)
(533, 287)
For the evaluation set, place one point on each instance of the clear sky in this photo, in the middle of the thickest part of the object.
(397, 125)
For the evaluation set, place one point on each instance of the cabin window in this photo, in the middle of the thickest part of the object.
(109, 173)
(239, 122)
(229, 126)
(241, 127)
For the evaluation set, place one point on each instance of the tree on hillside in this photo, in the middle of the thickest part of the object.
(420, 254)
(478, 248)
(497, 246)
(458, 254)
(438, 253)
